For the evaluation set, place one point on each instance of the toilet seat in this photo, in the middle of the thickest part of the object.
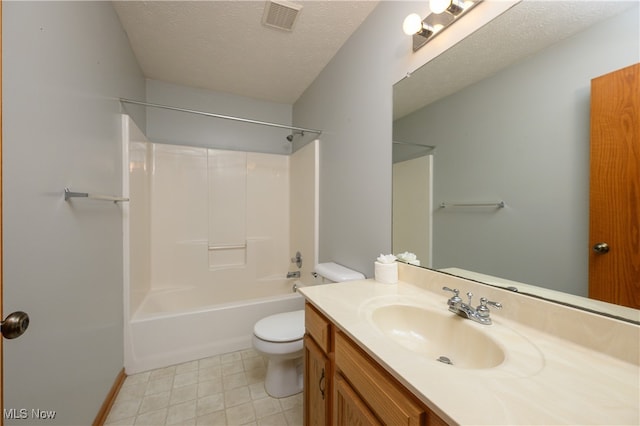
(280, 328)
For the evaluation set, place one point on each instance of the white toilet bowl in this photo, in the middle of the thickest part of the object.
(279, 337)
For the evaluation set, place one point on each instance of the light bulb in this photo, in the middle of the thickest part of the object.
(439, 6)
(412, 24)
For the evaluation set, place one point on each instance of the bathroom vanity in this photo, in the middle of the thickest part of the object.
(394, 354)
(344, 382)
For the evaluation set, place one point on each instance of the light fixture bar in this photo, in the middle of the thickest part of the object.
(456, 7)
(439, 22)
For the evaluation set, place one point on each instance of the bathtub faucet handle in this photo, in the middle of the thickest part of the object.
(297, 260)
(295, 274)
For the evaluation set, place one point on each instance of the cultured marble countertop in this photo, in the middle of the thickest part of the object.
(544, 379)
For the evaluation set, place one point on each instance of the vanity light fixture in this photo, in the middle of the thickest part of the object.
(443, 13)
(413, 24)
(454, 7)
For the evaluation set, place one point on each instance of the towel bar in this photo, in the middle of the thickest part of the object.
(69, 194)
(498, 204)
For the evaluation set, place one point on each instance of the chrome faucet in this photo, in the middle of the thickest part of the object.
(480, 314)
(295, 274)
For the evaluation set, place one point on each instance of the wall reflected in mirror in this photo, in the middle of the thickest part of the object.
(519, 134)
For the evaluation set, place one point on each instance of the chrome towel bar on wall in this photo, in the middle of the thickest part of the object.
(497, 204)
(69, 194)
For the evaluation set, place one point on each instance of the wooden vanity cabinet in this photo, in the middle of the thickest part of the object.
(316, 380)
(350, 409)
(318, 373)
(345, 386)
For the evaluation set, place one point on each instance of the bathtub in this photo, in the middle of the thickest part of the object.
(190, 290)
(170, 328)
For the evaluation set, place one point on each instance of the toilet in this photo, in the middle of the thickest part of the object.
(279, 338)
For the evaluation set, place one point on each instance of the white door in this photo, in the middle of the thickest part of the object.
(64, 66)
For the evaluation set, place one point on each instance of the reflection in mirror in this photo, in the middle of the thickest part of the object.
(509, 114)
(412, 200)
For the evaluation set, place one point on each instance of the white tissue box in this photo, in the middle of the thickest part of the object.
(386, 273)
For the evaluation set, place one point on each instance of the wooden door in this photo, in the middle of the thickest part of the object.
(316, 384)
(1, 240)
(614, 207)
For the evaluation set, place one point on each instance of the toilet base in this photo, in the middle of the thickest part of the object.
(284, 377)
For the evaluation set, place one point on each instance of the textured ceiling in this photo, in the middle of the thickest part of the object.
(223, 45)
(524, 29)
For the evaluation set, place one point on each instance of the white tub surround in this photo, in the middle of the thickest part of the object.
(208, 243)
(562, 365)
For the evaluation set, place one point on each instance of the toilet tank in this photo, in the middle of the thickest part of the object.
(331, 272)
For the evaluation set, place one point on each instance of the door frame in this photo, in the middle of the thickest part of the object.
(1, 239)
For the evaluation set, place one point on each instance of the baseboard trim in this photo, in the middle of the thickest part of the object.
(110, 399)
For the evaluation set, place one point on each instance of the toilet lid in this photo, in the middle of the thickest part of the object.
(283, 327)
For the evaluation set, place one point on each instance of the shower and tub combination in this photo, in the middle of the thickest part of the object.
(210, 238)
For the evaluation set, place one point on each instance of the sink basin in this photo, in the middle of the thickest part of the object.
(440, 336)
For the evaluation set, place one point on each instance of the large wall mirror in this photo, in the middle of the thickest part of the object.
(503, 117)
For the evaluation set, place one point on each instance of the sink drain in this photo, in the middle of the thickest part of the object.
(445, 360)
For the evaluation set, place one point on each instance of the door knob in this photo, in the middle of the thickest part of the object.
(14, 325)
(601, 248)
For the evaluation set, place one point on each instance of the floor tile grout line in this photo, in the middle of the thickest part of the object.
(195, 367)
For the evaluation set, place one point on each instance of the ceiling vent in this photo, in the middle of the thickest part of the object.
(281, 14)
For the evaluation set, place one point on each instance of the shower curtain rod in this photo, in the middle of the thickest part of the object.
(224, 117)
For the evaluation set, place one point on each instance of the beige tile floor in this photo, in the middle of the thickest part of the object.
(222, 390)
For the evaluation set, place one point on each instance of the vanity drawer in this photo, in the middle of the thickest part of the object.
(391, 403)
(318, 327)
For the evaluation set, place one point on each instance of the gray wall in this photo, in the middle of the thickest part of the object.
(351, 101)
(180, 128)
(65, 64)
(522, 136)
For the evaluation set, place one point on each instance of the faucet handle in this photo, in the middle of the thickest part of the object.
(483, 310)
(452, 290)
(489, 302)
(455, 300)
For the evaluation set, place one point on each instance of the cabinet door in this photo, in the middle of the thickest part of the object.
(316, 384)
(393, 404)
(350, 410)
